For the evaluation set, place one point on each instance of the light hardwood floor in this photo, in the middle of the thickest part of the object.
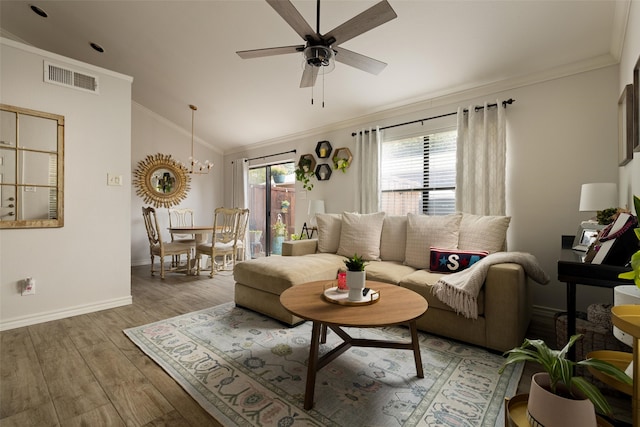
(83, 371)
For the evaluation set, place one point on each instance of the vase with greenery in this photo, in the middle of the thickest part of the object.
(356, 277)
(279, 232)
(341, 164)
(278, 173)
(284, 206)
(304, 173)
(562, 382)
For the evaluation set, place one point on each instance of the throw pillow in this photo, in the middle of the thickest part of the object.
(329, 226)
(361, 235)
(425, 231)
(450, 261)
(483, 233)
(393, 240)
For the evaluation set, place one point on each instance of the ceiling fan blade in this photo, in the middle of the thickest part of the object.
(309, 76)
(376, 15)
(289, 13)
(359, 61)
(270, 51)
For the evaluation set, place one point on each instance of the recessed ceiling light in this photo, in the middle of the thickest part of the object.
(97, 47)
(39, 11)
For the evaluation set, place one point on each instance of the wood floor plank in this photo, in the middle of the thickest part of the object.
(105, 415)
(172, 419)
(37, 416)
(134, 397)
(22, 385)
(83, 331)
(171, 390)
(51, 341)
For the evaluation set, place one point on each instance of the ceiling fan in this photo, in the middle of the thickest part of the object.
(321, 51)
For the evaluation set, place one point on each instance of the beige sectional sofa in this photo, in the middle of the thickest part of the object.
(398, 249)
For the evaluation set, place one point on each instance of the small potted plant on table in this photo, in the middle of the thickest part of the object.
(356, 276)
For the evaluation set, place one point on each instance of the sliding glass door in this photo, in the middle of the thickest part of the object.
(272, 207)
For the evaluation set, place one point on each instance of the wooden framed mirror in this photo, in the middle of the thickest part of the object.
(31, 168)
(161, 181)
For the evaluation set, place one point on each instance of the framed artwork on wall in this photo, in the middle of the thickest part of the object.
(625, 126)
(636, 106)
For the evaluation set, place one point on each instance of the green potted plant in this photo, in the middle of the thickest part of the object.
(634, 274)
(284, 205)
(304, 173)
(278, 173)
(341, 164)
(356, 276)
(557, 392)
(279, 232)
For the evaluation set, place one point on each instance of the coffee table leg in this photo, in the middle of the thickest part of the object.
(416, 349)
(312, 367)
(323, 334)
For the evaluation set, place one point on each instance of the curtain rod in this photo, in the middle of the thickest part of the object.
(478, 107)
(270, 155)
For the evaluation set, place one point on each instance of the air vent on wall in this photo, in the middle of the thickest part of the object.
(65, 76)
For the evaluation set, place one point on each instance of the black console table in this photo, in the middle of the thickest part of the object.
(573, 271)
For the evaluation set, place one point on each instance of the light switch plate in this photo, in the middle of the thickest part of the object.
(113, 179)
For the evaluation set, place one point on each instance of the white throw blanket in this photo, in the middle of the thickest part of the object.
(460, 290)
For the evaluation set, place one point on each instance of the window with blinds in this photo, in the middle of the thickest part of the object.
(418, 174)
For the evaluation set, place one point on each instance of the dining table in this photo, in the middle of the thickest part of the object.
(200, 233)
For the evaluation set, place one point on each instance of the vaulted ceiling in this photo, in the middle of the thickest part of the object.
(184, 52)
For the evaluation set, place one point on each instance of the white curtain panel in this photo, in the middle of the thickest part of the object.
(367, 156)
(239, 194)
(481, 160)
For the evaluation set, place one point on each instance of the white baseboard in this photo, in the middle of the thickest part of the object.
(33, 319)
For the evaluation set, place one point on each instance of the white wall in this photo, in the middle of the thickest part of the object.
(630, 173)
(561, 133)
(153, 134)
(83, 266)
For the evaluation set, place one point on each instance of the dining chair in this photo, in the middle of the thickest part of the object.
(243, 222)
(159, 247)
(227, 224)
(182, 217)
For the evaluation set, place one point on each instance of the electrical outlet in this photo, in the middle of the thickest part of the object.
(28, 286)
(114, 179)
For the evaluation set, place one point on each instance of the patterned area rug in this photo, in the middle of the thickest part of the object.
(248, 370)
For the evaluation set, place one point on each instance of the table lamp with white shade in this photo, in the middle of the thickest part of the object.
(598, 196)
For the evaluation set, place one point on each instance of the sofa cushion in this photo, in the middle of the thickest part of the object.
(329, 226)
(387, 271)
(425, 231)
(361, 235)
(393, 240)
(483, 232)
(274, 274)
(452, 260)
(421, 281)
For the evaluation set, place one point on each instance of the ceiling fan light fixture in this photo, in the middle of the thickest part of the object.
(320, 57)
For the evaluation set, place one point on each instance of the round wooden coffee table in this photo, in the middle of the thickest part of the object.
(395, 306)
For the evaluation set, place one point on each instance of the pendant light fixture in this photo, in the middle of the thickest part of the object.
(197, 167)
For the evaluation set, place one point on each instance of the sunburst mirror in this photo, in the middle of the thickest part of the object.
(161, 181)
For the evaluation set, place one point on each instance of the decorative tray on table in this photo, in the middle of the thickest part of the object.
(333, 295)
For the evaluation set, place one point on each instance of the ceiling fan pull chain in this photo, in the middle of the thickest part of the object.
(322, 90)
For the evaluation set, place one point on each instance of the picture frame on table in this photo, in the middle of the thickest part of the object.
(636, 106)
(625, 126)
(587, 234)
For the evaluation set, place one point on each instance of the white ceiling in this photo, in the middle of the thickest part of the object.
(183, 52)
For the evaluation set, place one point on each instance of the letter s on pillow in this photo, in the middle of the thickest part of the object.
(453, 260)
